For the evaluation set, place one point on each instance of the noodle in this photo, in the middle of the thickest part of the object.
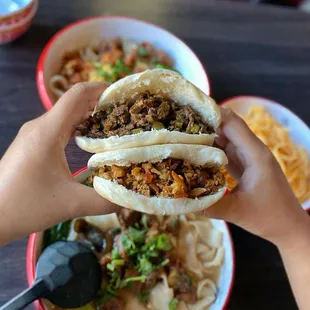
(293, 159)
(106, 61)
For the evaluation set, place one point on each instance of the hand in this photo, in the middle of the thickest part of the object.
(37, 189)
(263, 202)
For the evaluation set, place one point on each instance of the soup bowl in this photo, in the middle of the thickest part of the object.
(226, 278)
(81, 33)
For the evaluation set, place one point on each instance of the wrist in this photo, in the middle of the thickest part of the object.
(296, 237)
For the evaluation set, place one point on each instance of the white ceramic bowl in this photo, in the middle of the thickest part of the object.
(226, 278)
(84, 31)
(299, 131)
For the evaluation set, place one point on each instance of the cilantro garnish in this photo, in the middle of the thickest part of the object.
(173, 304)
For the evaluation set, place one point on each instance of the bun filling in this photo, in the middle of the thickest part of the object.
(145, 113)
(169, 178)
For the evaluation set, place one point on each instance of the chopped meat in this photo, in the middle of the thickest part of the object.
(91, 234)
(145, 113)
(190, 297)
(136, 285)
(113, 304)
(129, 217)
(182, 284)
(150, 280)
(106, 259)
(169, 178)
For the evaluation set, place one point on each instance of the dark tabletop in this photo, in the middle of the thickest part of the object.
(247, 49)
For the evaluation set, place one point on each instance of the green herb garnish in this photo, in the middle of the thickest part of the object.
(137, 236)
(173, 304)
(145, 266)
(144, 297)
(144, 221)
(115, 253)
(142, 51)
(59, 232)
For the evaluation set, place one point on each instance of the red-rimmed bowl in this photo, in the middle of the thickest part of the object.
(226, 279)
(12, 27)
(12, 18)
(298, 129)
(83, 32)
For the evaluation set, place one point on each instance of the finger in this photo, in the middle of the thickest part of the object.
(91, 203)
(73, 107)
(234, 167)
(228, 208)
(240, 135)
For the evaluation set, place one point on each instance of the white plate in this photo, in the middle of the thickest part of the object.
(299, 131)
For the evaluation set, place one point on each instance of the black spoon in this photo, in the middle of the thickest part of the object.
(68, 275)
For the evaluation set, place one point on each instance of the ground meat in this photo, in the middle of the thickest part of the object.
(172, 178)
(147, 112)
(129, 217)
(135, 286)
(182, 284)
(113, 304)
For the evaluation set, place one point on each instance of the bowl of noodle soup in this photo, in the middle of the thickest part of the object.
(286, 135)
(199, 247)
(107, 48)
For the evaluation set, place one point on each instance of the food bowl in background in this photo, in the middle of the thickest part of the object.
(298, 130)
(225, 281)
(83, 32)
(14, 24)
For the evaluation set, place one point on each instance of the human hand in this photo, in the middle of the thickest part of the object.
(263, 202)
(37, 189)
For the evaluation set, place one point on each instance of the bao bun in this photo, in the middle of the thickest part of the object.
(196, 154)
(162, 82)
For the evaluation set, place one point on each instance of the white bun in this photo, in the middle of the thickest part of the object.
(161, 82)
(118, 194)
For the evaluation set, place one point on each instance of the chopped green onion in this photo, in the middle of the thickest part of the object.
(173, 304)
(137, 130)
(158, 125)
(142, 51)
(118, 262)
(144, 297)
(137, 236)
(115, 253)
(145, 266)
(135, 279)
(144, 221)
(97, 64)
(165, 262)
(110, 267)
(127, 243)
(163, 242)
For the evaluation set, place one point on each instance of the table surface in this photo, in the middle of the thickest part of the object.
(247, 49)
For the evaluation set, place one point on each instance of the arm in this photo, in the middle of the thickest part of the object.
(37, 189)
(295, 255)
(263, 202)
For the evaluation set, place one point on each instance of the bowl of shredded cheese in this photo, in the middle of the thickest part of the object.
(284, 133)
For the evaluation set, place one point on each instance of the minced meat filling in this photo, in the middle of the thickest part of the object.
(172, 178)
(145, 113)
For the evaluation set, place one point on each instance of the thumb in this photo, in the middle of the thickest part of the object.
(91, 203)
(228, 208)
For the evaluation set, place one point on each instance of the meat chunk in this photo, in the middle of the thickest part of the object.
(144, 113)
(113, 304)
(173, 178)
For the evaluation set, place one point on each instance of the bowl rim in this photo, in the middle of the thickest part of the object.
(42, 88)
(30, 260)
(22, 22)
(9, 15)
(222, 103)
